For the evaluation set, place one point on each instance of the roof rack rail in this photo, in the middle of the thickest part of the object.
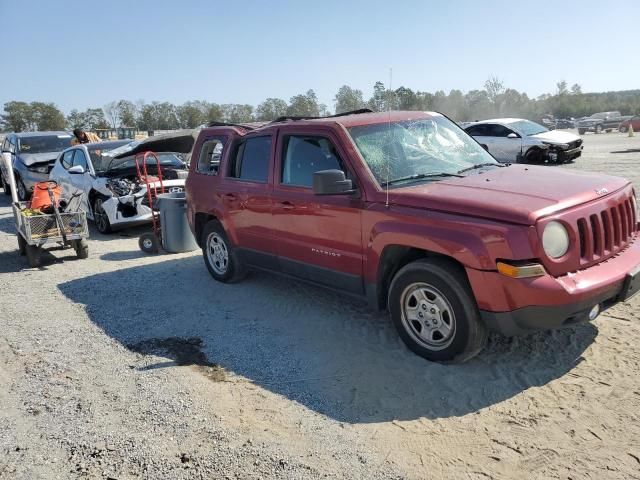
(246, 126)
(343, 114)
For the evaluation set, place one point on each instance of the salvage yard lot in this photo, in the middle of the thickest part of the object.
(126, 365)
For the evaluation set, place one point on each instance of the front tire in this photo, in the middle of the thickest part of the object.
(622, 129)
(100, 217)
(220, 257)
(581, 131)
(23, 194)
(434, 312)
(598, 129)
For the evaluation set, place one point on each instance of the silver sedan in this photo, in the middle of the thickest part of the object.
(516, 140)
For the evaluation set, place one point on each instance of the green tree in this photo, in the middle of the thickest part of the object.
(561, 87)
(47, 116)
(17, 116)
(237, 113)
(214, 113)
(304, 105)
(576, 89)
(127, 113)
(191, 114)
(76, 119)
(348, 99)
(271, 109)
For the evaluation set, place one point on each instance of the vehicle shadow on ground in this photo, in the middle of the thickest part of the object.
(323, 350)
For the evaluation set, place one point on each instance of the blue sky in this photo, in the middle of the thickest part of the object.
(245, 51)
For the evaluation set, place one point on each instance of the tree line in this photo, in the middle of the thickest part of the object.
(494, 100)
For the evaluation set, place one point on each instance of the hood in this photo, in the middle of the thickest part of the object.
(556, 136)
(516, 194)
(32, 158)
(180, 141)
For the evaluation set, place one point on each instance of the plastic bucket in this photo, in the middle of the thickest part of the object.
(41, 197)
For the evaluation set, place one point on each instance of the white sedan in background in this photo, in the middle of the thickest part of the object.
(516, 140)
(114, 197)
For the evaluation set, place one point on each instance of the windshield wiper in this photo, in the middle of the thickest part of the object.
(418, 176)
(480, 165)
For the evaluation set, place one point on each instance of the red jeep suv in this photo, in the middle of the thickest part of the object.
(409, 211)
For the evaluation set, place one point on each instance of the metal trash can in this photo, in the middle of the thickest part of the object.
(176, 235)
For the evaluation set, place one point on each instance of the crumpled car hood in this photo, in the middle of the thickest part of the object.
(32, 158)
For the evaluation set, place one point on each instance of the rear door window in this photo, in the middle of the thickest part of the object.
(252, 159)
(477, 130)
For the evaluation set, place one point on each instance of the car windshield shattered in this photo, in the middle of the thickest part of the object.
(528, 128)
(428, 148)
(45, 143)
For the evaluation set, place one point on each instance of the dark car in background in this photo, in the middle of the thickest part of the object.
(601, 122)
(33, 155)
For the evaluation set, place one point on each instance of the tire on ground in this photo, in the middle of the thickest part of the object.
(215, 243)
(33, 255)
(469, 332)
(82, 248)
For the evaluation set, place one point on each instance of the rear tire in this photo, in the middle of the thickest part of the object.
(435, 313)
(598, 129)
(622, 129)
(220, 257)
(581, 131)
(33, 255)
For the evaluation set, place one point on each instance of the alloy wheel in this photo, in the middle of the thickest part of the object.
(428, 316)
(217, 253)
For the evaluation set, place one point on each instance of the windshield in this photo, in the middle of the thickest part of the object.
(45, 143)
(414, 148)
(167, 159)
(102, 153)
(528, 127)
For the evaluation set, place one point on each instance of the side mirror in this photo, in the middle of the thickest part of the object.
(76, 169)
(331, 182)
(512, 135)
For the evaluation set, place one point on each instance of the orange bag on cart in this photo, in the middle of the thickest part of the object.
(40, 199)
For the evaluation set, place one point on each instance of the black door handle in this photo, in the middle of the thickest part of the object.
(287, 205)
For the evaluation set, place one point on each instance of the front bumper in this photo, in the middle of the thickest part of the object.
(560, 156)
(516, 306)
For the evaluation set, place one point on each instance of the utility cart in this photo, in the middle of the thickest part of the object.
(51, 232)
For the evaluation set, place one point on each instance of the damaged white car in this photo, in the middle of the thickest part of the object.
(114, 195)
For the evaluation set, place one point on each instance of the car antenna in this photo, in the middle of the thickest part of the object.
(390, 133)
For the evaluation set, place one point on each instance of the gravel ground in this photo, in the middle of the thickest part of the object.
(129, 366)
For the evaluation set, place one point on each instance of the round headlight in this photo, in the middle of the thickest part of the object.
(555, 239)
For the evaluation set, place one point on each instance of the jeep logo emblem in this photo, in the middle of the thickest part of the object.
(602, 191)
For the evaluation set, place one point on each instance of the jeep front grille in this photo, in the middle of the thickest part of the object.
(601, 235)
